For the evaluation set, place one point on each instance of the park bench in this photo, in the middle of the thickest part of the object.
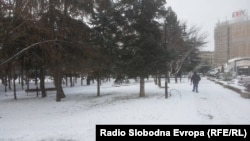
(35, 90)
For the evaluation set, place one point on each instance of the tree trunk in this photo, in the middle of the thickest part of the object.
(82, 79)
(27, 82)
(42, 83)
(168, 76)
(36, 81)
(66, 80)
(19, 78)
(176, 79)
(22, 84)
(75, 82)
(14, 83)
(98, 85)
(159, 80)
(155, 80)
(142, 87)
(71, 80)
(5, 83)
(58, 83)
(9, 78)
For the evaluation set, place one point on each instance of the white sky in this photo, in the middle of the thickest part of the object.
(206, 13)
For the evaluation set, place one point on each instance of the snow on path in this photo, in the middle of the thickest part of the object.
(223, 105)
(37, 119)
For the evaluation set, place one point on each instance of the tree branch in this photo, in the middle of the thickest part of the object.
(25, 49)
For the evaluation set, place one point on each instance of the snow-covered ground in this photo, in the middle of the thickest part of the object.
(74, 119)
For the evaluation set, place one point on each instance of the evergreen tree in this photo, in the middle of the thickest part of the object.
(34, 24)
(142, 38)
(106, 32)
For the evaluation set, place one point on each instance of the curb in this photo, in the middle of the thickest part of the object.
(242, 93)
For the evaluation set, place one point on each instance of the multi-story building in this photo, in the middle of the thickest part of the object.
(207, 58)
(221, 43)
(239, 40)
(232, 40)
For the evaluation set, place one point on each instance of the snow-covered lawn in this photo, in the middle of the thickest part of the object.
(43, 119)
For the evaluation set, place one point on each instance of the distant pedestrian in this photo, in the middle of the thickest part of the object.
(195, 79)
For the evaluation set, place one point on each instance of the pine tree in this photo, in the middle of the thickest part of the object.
(49, 31)
(142, 38)
(105, 33)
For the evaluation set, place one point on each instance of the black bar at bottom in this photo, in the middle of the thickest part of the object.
(169, 132)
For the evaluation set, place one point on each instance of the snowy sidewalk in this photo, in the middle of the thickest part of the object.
(233, 86)
(74, 119)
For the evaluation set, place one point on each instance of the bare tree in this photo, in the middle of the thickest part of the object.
(193, 42)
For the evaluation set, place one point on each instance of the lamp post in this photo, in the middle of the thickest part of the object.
(166, 49)
(166, 63)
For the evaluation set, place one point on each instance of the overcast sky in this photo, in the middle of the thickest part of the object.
(206, 13)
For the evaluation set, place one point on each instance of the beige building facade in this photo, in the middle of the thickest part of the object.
(207, 58)
(232, 40)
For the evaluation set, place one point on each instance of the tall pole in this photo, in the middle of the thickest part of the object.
(166, 71)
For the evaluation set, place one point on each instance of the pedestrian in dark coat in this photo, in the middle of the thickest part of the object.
(195, 79)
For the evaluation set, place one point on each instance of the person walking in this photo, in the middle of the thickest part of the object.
(195, 79)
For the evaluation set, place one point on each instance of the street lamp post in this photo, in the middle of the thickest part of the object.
(165, 45)
(166, 63)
